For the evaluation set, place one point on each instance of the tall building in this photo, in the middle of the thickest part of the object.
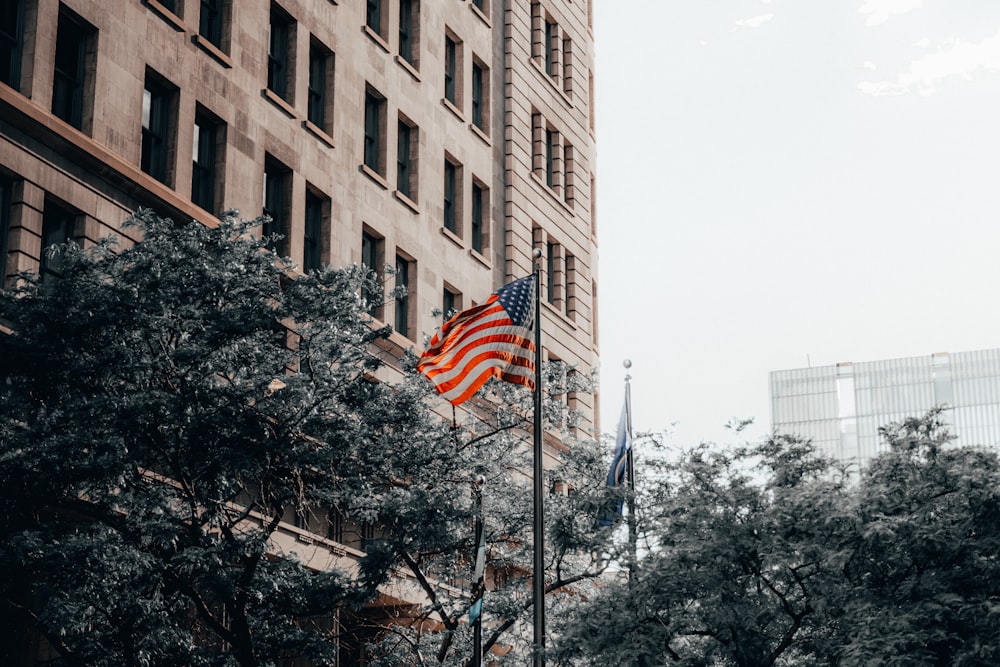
(841, 408)
(447, 139)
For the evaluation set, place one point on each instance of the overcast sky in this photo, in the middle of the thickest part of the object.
(789, 182)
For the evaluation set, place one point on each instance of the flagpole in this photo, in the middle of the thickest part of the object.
(633, 536)
(478, 574)
(538, 576)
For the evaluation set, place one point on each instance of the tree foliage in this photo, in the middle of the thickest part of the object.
(169, 408)
(768, 554)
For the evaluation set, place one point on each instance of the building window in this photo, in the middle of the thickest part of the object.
(320, 86)
(451, 302)
(280, 54)
(316, 226)
(550, 157)
(480, 5)
(480, 88)
(452, 205)
(551, 35)
(567, 65)
(480, 207)
(406, 162)
(374, 132)
(405, 274)
(6, 192)
(569, 278)
(57, 228)
(371, 259)
(335, 526)
(208, 159)
(11, 42)
(451, 69)
(72, 81)
(212, 21)
(374, 18)
(277, 200)
(159, 127)
(569, 178)
(551, 259)
(409, 30)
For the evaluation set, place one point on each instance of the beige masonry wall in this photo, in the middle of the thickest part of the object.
(96, 171)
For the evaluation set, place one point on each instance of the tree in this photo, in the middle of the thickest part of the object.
(741, 547)
(770, 555)
(165, 406)
(925, 570)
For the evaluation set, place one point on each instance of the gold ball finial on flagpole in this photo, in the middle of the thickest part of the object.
(627, 364)
(536, 253)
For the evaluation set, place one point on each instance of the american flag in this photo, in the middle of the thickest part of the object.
(491, 340)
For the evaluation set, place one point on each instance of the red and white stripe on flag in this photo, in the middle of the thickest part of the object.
(490, 340)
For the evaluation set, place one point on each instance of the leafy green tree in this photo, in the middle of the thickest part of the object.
(165, 406)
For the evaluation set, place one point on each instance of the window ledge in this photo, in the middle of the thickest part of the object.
(478, 131)
(401, 340)
(483, 17)
(479, 257)
(406, 201)
(318, 132)
(277, 101)
(452, 108)
(408, 66)
(452, 236)
(558, 313)
(552, 193)
(374, 175)
(552, 83)
(375, 37)
(175, 21)
(212, 50)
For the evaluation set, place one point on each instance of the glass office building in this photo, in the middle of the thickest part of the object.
(841, 407)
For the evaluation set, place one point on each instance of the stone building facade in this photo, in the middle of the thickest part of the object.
(446, 138)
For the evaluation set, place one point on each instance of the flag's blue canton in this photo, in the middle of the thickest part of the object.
(516, 298)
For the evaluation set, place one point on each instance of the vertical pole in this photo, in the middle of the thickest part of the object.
(539, 565)
(478, 574)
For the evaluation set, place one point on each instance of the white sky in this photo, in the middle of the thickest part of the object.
(789, 182)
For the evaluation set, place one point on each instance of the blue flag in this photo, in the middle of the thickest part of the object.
(619, 462)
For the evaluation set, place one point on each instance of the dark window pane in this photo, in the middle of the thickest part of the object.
(406, 30)
(550, 61)
(403, 160)
(449, 196)
(372, 128)
(276, 181)
(67, 86)
(402, 301)
(550, 158)
(210, 21)
(277, 56)
(156, 129)
(6, 187)
(313, 242)
(373, 16)
(478, 197)
(57, 228)
(550, 271)
(450, 65)
(203, 169)
(477, 95)
(369, 260)
(447, 303)
(11, 41)
(317, 85)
